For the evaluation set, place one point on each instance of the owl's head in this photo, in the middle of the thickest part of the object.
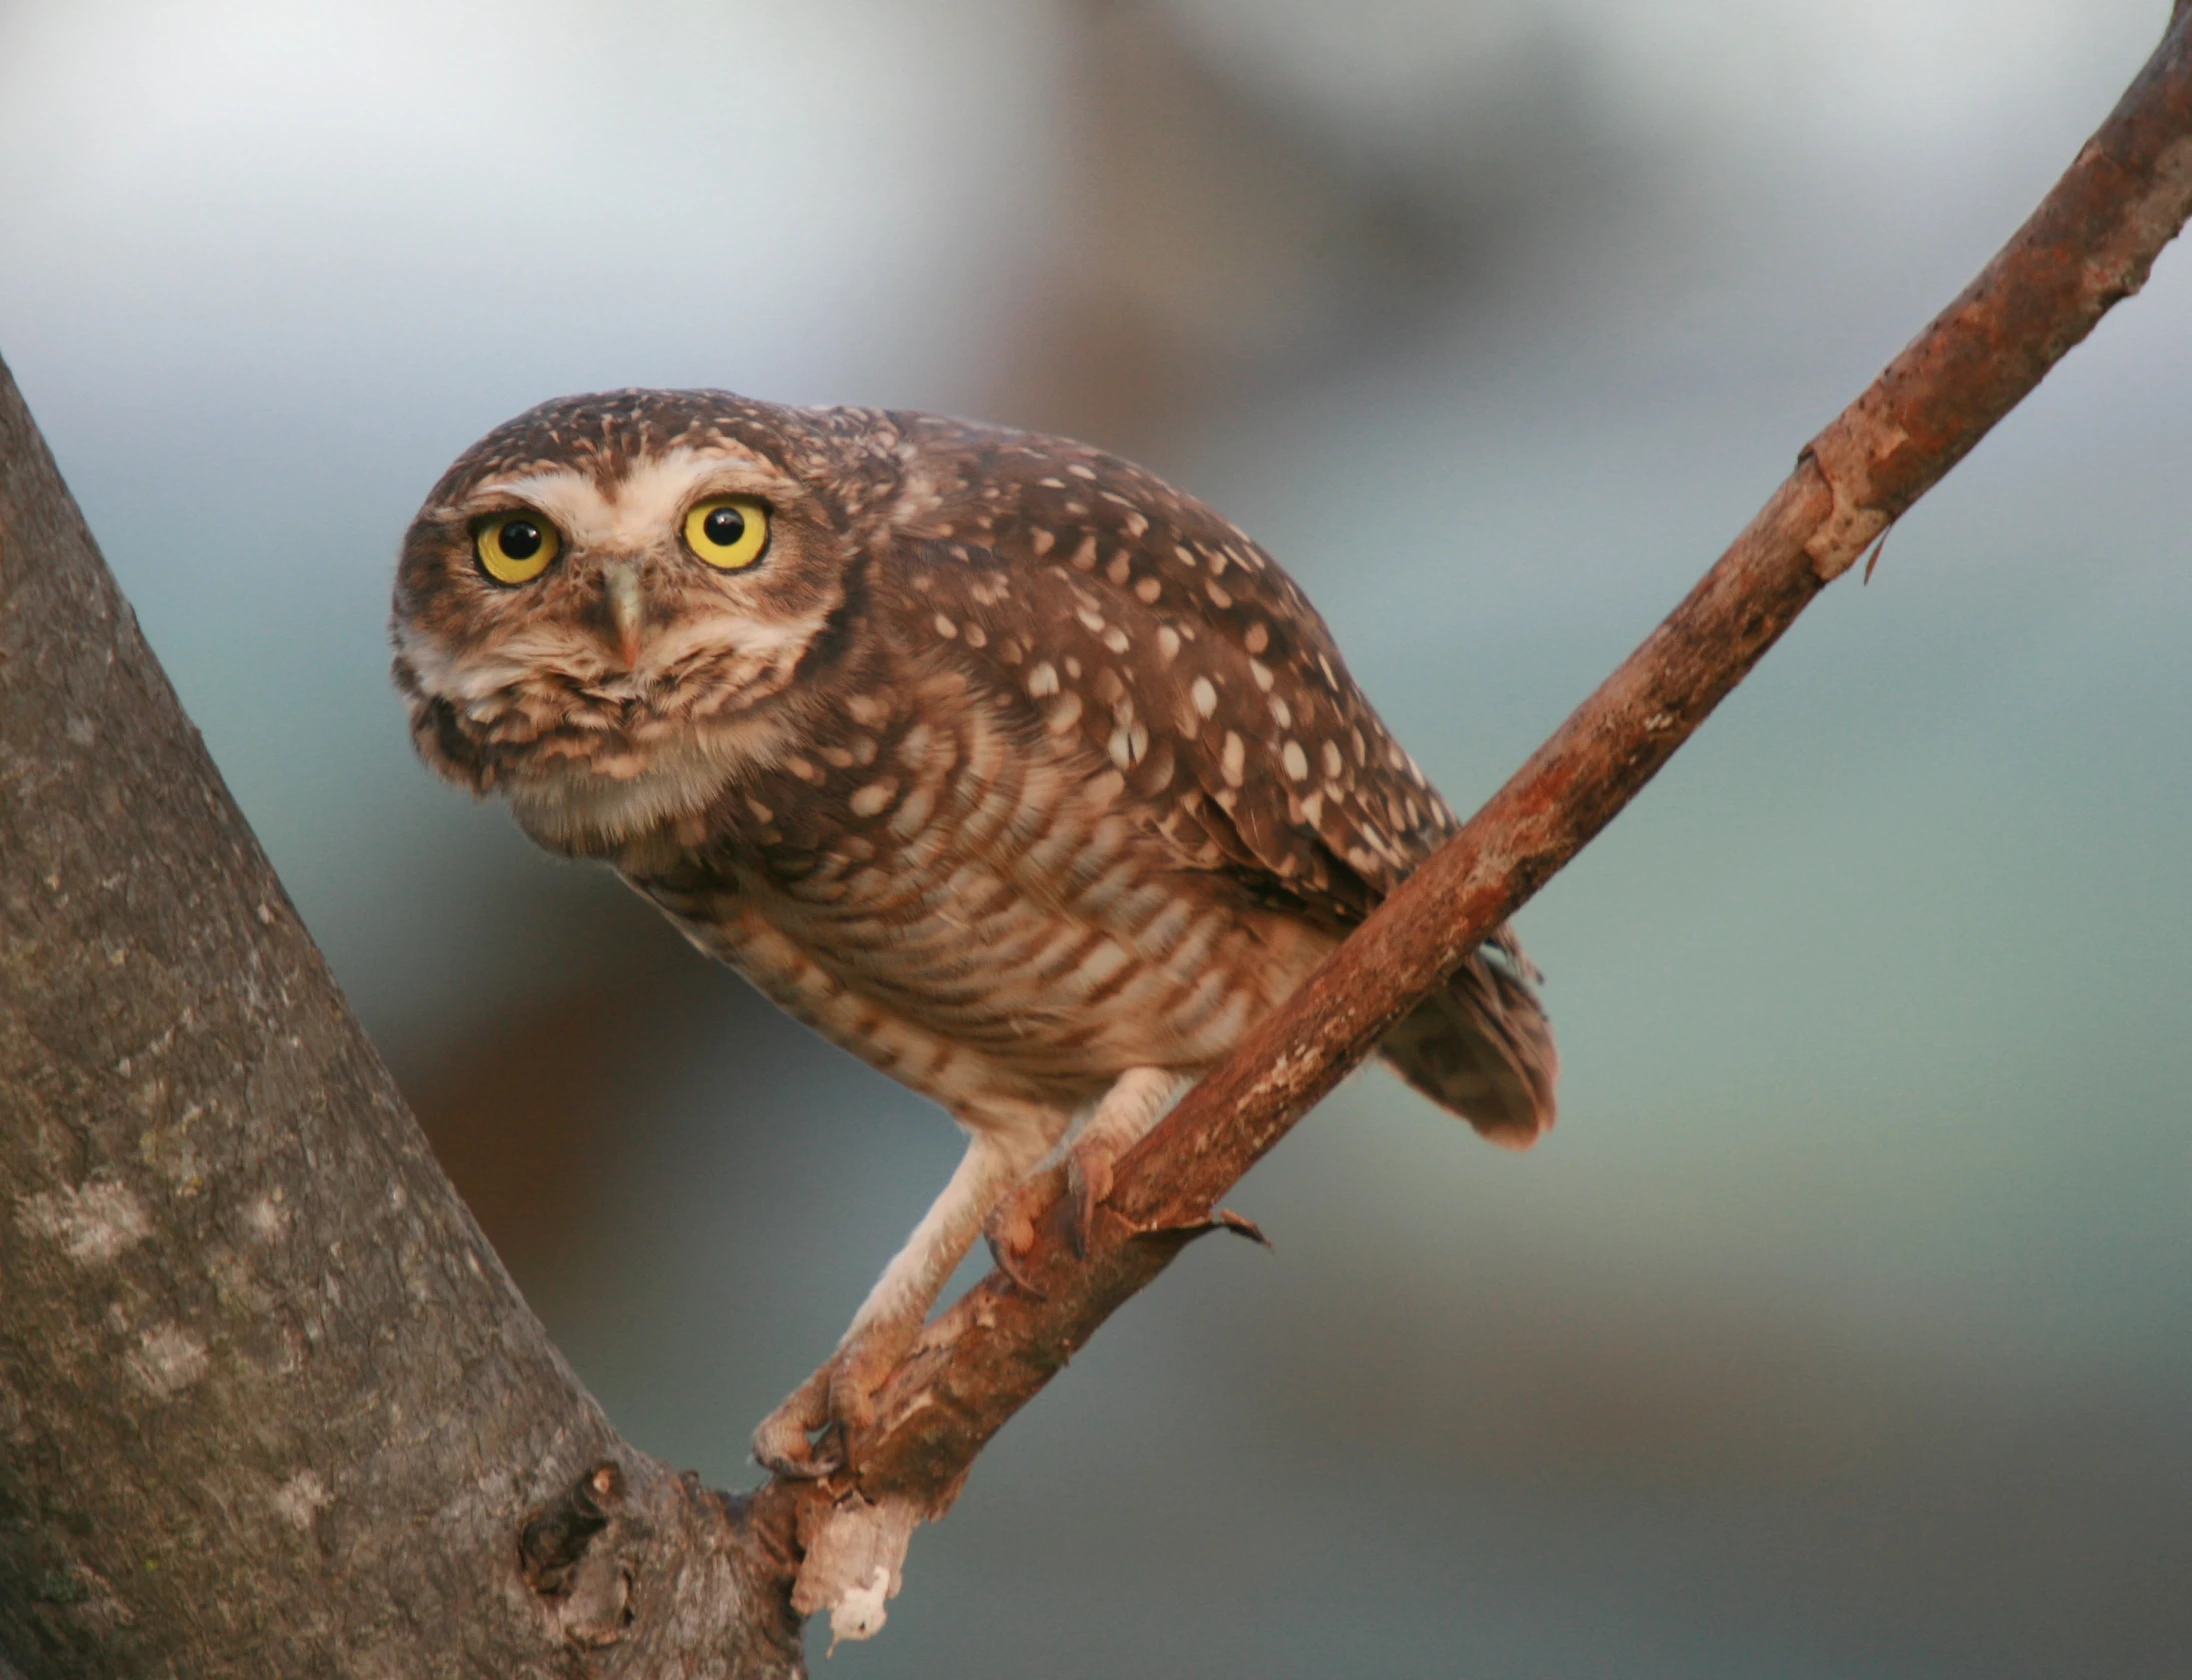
(604, 607)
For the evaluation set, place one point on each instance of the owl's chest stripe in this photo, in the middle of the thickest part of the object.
(994, 899)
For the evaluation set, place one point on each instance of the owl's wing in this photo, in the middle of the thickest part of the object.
(1135, 619)
(1141, 621)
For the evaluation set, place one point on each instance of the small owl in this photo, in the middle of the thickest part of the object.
(990, 756)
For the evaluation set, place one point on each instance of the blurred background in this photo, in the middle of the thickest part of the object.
(1844, 1327)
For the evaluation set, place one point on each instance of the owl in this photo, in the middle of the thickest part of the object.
(993, 758)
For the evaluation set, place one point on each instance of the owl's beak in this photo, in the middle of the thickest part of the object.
(627, 609)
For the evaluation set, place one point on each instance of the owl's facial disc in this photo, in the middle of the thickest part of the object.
(564, 628)
(622, 586)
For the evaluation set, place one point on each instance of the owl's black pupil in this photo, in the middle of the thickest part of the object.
(724, 526)
(521, 539)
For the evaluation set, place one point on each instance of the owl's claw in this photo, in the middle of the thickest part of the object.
(1010, 1232)
(1088, 1184)
(1084, 1178)
(858, 1374)
(799, 1439)
(1005, 1260)
(818, 1458)
(815, 1432)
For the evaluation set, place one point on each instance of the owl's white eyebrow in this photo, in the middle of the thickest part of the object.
(684, 470)
(647, 500)
(527, 487)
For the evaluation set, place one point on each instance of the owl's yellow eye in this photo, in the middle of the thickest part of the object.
(728, 532)
(515, 547)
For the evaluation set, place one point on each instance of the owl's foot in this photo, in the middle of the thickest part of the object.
(1010, 1228)
(1083, 1176)
(797, 1439)
(816, 1429)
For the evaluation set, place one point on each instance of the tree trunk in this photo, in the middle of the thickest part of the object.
(268, 1402)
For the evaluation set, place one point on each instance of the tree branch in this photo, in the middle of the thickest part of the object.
(2088, 246)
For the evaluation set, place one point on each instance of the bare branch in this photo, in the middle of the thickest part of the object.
(2089, 245)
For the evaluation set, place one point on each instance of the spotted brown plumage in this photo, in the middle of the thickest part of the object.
(1005, 765)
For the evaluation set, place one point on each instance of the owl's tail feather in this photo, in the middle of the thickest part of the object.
(1483, 1047)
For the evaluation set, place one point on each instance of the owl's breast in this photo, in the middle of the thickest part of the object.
(978, 914)
(614, 793)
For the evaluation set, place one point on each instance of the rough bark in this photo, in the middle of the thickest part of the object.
(268, 1403)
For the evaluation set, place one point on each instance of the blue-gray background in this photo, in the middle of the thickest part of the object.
(1842, 1327)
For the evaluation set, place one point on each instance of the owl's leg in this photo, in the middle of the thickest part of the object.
(1082, 1166)
(842, 1391)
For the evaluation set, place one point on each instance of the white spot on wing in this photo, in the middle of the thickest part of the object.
(913, 813)
(1065, 714)
(872, 798)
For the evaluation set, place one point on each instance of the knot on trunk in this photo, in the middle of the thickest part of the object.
(585, 1581)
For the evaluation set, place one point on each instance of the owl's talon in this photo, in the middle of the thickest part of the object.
(798, 1439)
(819, 1461)
(1002, 1257)
(816, 1431)
(1088, 1184)
(1010, 1228)
(1009, 1241)
(857, 1375)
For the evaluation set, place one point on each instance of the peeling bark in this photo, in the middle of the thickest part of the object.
(268, 1402)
